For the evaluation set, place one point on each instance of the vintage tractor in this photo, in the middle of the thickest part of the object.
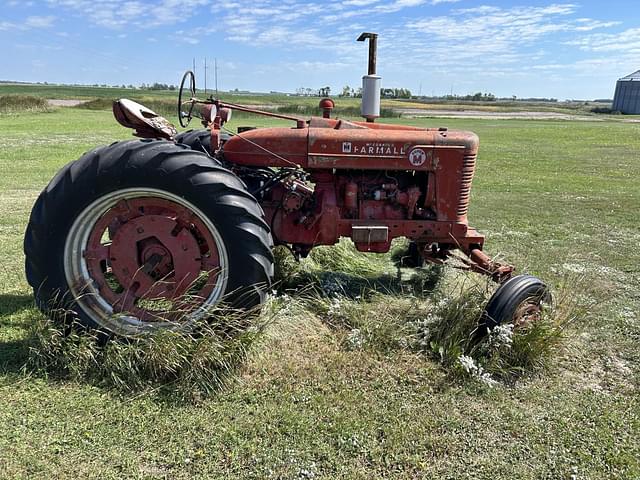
(153, 233)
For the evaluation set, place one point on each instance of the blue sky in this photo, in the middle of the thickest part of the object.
(526, 48)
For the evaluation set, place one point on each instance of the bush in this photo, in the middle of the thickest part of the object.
(160, 106)
(23, 103)
(601, 110)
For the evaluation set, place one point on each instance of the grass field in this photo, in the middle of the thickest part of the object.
(166, 96)
(558, 199)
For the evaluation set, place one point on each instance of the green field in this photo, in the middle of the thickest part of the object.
(279, 99)
(559, 199)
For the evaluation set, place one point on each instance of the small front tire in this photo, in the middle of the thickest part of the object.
(519, 300)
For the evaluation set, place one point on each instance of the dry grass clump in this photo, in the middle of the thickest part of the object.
(23, 103)
(505, 353)
(373, 311)
(184, 365)
(444, 326)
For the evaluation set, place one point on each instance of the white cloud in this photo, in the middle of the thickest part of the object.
(118, 14)
(39, 22)
(401, 4)
(359, 3)
(627, 41)
(29, 23)
(492, 35)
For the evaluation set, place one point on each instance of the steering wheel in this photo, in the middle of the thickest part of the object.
(188, 80)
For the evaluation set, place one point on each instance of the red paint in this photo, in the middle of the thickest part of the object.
(157, 250)
(388, 180)
(371, 182)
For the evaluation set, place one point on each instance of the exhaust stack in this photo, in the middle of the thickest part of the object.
(371, 82)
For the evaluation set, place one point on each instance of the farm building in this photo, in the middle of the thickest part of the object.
(627, 96)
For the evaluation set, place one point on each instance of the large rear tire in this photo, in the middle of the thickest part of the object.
(198, 140)
(143, 235)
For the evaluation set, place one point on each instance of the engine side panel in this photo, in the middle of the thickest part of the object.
(369, 184)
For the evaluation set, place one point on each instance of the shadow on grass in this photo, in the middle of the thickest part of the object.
(13, 356)
(12, 303)
(14, 352)
(420, 283)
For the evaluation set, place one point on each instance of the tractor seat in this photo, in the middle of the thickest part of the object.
(145, 122)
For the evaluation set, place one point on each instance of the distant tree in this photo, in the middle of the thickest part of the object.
(346, 91)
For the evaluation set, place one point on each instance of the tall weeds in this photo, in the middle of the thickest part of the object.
(185, 365)
(23, 103)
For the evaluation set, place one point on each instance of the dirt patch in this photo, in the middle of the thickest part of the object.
(482, 114)
(65, 103)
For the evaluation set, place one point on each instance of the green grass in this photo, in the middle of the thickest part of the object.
(558, 199)
(349, 106)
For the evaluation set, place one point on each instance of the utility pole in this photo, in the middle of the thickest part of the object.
(205, 76)
(194, 65)
(215, 60)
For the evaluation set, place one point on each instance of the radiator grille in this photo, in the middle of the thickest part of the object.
(468, 168)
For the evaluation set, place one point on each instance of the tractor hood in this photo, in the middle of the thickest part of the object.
(340, 144)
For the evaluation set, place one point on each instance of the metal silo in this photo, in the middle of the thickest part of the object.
(627, 96)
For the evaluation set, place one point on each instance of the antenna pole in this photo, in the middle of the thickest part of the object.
(205, 76)
(215, 60)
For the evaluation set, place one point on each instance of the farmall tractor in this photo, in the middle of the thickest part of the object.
(152, 233)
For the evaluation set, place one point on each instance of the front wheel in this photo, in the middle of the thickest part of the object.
(146, 235)
(520, 301)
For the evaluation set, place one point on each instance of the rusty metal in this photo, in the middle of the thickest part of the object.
(300, 122)
(373, 49)
(326, 105)
(371, 182)
(480, 262)
(157, 250)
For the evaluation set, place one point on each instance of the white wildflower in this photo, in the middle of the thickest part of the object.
(424, 331)
(304, 473)
(468, 363)
(574, 267)
(627, 313)
(355, 339)
(335, 307)
(501, 337)
(476, 371)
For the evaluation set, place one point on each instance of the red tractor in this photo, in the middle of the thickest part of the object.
(152, 233)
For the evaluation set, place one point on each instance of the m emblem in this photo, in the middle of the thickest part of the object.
(417, 157)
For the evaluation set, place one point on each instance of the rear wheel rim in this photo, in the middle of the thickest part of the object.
(141, 259)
